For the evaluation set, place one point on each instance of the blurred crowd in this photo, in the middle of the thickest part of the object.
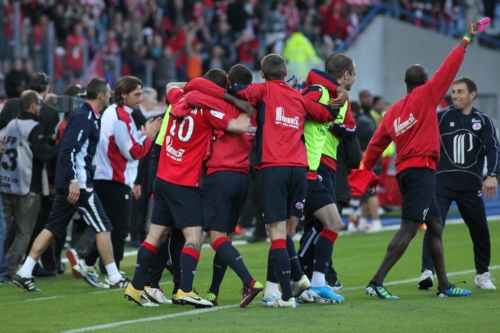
(160, 41)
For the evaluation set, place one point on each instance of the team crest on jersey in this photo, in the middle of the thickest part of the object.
(476, 126)
(452, 124)
(217, 114)
(299, 205)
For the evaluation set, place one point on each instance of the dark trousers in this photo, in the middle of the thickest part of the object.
(139, 215)
(115, 199)
(471, 208)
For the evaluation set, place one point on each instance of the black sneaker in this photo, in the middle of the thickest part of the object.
(6, 279)
(25, 283)
(336, 286)
(121, 284)
(39, 271)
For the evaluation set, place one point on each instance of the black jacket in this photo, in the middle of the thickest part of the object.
(143, 168)
(42, 152)
(348, 157)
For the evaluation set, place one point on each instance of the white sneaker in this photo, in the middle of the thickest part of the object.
(426, 280)
(351, 227)
(89, 274)
(156, 295)
(483, 281)
(301, 285)
(376, 226)
(362, 224)
(275, 301)
(307, 297)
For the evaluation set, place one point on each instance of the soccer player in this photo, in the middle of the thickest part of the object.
(468, 136)
(177, 192)
(321, 145)
(121, 146)
(412, 124)
(225, 189)
(74, 189)
(282, 165)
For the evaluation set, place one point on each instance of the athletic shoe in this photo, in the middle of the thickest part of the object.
(250, 293)
(379, 291)
(138, 296)
(325, 294)
(483, 281)
(375, 226)
(73, 261)
(89, 274)
(156, 295)
(351, 227)
(453, 292)
(121, 284)
(25, 283)
(191, 298)
(336, 286)
(307, 297)
(39, 271)
(301, 285)
(6, 279)
(426, 280)
(212, 298)
(275, 301)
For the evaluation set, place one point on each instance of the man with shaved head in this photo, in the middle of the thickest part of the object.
(412, 124)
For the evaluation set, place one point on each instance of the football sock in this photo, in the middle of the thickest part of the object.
(27, 268)
(113, 274)
(145, 256)
(271, 275)
(218, 272)
(324, 249)
(189, 261)
(271, 288)
(281, 262)
(296, 271)
(233, 259)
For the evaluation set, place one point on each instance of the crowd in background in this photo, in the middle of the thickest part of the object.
(160, 41)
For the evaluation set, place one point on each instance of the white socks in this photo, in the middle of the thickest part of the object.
(318, 279)
(271, 288)
(113, 274)
(27, 268)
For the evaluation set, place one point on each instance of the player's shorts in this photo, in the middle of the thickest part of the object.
(317, 197)
(176, 206)
(417, 186)
(328, 179)
(88, 206)
(282, 192)
(224, 195)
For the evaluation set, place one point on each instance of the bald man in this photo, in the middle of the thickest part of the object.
(412, 124)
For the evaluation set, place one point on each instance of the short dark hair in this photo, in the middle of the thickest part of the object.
(38, 82)
(337, 64)
(471, 85)
(27, 98)
(273, 66)
(125, 86)
(376, 99)
(73, 90)
(240, 74)
(95, 87)
(217, 76)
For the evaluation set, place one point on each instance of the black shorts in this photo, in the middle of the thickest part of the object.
(224, 195)
(328, 177)
(417, 186)
(176, 206)
(317, 197)
(282, 192)
(88, 206)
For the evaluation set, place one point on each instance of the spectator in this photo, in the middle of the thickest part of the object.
(16, 81)
(247, 48)
(300, 55)
(51, 100)
(165, 69)
(274, 26)
(74, 52)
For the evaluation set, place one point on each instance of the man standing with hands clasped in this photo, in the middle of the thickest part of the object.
(468, 136)
(412, 124)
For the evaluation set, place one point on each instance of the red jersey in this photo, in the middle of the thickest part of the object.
(186, 139)
(412, 122)
(230, 151)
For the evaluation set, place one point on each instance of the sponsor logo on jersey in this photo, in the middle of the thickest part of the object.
(251, 130)
(175, 154)
(474, 120)
(217, 114)
(452, 124)
(476, 126)
(401, 127)
(283, 120)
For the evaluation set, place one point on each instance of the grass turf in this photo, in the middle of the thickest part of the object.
(66, 304)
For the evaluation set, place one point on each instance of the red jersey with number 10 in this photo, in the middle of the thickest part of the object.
(185, 145)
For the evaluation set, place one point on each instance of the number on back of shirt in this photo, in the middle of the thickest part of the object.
(185, 129)
(11, 164)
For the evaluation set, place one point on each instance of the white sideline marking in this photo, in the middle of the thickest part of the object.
(491, 268)
(187, 313)
(43, 298)
(173, 315)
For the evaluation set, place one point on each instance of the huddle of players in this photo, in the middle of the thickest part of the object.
(274, 115)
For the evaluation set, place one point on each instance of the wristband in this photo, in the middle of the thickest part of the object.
(466, 39)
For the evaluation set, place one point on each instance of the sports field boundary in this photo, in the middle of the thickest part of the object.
(225, 307)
